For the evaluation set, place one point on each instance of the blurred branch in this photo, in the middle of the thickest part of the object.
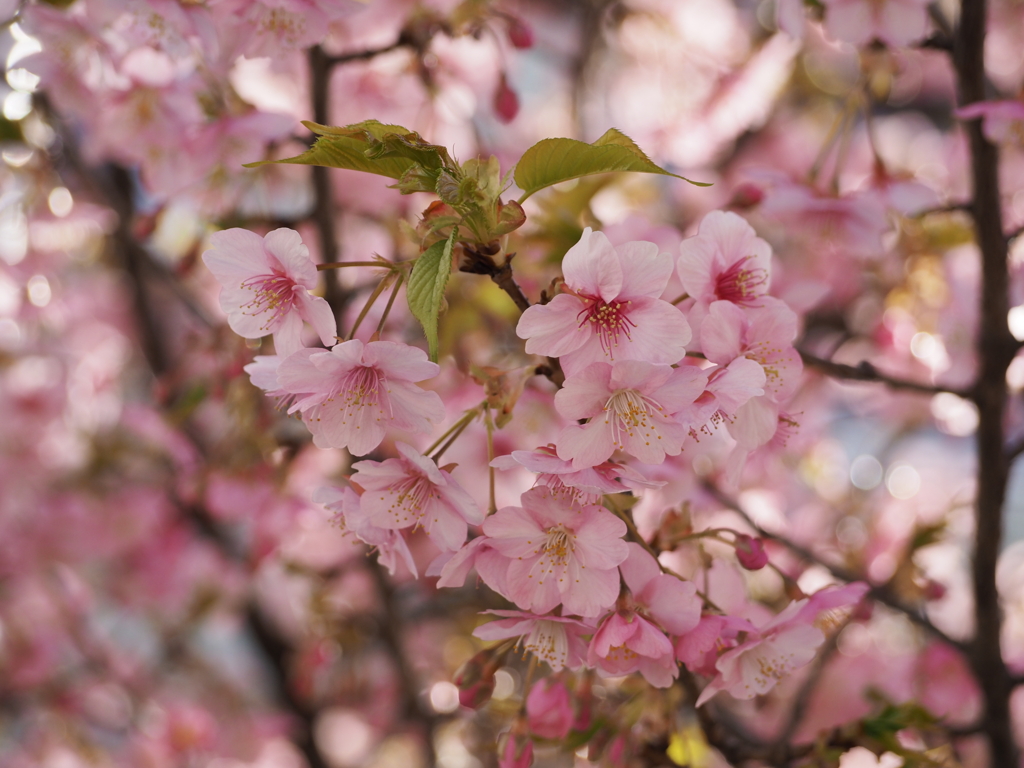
(865, 371)
(403, 41)
(391, 632)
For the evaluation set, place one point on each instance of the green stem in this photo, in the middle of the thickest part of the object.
(459, 425)
(391, 303)
(369, 303)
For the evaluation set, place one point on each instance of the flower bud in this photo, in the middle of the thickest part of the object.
(519, 33)
(746, 195)
(475, 678)
(516, 751)
(506, 102)
(549, 709)
(750, 552)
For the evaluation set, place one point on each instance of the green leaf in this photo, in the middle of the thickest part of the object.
(426, 286)
(373, 147)
(551, 161)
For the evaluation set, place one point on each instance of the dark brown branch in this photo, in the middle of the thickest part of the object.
(323, 207)
(996, 348)
(372, 53)
(865, 371)
(502, 277)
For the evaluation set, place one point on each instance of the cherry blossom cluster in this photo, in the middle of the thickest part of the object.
(643, 375)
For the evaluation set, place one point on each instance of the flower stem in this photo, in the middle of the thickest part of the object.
(456, 428)
(369, 303)
(391, 303)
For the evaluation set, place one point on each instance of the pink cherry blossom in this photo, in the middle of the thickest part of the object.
(894, 22)
(1003, 120)
(352, 518)
(266, 284)
(582, 486)
(785, 643)
(729, 388)
(413, 491)
(349, 395)
(557, 553)
(764, 334)
(609, 309)
(640, 408)
(634, 637)
(725, 261)
(554, 639)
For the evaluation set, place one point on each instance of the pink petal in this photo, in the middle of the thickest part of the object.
(721, 333)
(285, 245)
(554, 328)
(287, 334)
(638, 568)
(585, 393)
(587, 445)
(599, 544)
(673, 603)
(400, 361)
(589, 592)
(592, 267)
(645, 270)
(317, 312)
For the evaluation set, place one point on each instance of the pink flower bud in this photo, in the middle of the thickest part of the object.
(519, 33)
(506, 102)
(475, 678)
(517, 749)
(549, 709)
(746, 195)
(933, 590)
(750, 552)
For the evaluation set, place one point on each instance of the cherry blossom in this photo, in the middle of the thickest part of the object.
(412, 491)
(349, 395)
(633, 637)
(265, 286)
(724, 261)
(553, 639)
(352, 518)
(640, 408)
(783, 644)
(557, 553)
(584, 486)
(609, 309)
(763, 334)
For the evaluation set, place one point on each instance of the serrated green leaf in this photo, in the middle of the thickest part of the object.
(551, 161)
(347, 146)
(426, 287)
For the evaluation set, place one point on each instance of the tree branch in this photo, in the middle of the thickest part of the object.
(865, 371)
(882, 593)
(996, 348)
